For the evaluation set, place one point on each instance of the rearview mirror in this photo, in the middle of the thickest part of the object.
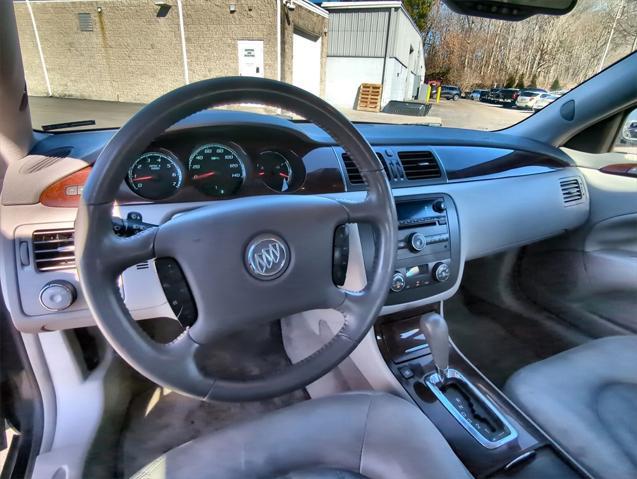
(511, 9)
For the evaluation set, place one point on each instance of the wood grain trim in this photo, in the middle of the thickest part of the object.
(623, 169)
(65, 193)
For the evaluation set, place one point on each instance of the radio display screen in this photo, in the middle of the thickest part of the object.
(412, 210)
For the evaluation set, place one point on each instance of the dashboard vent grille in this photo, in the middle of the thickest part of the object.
(45, 160)
(419, 165)
(571, 190)
(53, 249)
(354, 175)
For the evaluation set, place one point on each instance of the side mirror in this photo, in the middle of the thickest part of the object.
(512, 10)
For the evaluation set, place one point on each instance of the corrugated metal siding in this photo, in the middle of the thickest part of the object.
(402, 36)
(358, 33)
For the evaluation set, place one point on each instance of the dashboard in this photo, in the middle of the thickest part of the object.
(461, 195)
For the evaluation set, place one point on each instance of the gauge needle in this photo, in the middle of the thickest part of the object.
(283, 175)
(203, 175)
(143, 178)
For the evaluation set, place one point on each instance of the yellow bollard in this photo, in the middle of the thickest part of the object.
(438, 93)
(428, 97)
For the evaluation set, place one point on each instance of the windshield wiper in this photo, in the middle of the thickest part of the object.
(68, 124)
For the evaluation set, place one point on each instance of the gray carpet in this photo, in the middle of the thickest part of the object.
(499, 342)
(159, 421)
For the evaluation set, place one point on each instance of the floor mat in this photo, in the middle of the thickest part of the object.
(160, 420)
(499, 342)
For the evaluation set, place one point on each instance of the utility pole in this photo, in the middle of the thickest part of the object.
(610, 36)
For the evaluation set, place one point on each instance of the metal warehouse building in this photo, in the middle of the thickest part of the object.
(372, 42)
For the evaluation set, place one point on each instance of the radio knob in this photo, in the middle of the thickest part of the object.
(398, 282)
(441, 272)
(439, 206)
(57, 295)
(417, 242)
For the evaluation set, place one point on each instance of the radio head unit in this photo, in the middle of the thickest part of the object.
(428, 250)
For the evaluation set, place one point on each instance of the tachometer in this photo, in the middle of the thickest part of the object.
(155, 175)
(275, 170)
(216, 170)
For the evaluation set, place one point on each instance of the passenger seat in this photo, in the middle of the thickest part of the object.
(586, 399)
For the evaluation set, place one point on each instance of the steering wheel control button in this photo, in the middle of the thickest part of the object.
(57, 295)
(177, 291)
(398, 282)
(441, 272)
(267, 257)
(417, 242)
(340, 257)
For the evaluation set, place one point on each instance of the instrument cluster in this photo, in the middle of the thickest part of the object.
(215, 169)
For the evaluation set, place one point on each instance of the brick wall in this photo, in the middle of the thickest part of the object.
(308, 22)
(133, 55)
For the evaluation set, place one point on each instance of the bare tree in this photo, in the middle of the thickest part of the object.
(475, 51)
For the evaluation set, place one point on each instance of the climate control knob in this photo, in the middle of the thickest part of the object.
(57, 295)
(417, 242)
(398, 282)
(439, 206)
(441, 272)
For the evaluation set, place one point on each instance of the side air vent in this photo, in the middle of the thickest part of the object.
(45, 160)
(53, 249)
(354, 175)
(571, 190)
(419, 165)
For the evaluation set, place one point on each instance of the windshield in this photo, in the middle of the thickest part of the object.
(94, 64)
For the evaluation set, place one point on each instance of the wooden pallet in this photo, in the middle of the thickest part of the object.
(369, 95)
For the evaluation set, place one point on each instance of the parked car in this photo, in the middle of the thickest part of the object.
(494, 95)
(543, 100)
(526, 99)
(451, 92)
(484, 96)
(477, 94)
(508, 96)
(538, 90)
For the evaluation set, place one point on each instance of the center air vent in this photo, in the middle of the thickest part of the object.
(419, 165)
(53, 249)
(354, 175)
(571, 190)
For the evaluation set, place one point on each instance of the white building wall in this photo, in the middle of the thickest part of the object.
(396, 82)
(344, 76)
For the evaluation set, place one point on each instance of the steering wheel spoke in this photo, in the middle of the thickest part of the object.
(128, 251)
(363, 211)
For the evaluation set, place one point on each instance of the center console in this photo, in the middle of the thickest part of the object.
(492, 438)
(428, 250)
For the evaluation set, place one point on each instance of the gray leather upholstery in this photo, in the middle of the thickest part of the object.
(586, 399)
(353, 435)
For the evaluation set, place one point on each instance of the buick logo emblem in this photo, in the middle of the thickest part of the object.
(267, 257)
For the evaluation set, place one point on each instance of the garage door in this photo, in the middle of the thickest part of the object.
(306, 61)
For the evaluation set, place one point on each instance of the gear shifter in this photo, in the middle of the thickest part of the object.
(434, 327)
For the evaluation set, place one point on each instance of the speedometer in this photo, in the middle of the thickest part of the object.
(155, 175)
(216, 170)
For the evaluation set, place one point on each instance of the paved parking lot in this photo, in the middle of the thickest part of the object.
(475, 115)
(459, 114)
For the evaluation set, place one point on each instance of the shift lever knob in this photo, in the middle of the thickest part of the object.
(434, 327)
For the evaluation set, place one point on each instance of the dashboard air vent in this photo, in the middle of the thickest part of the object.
(571, 190)
(419, 165)
(53, 249)
(354, 175)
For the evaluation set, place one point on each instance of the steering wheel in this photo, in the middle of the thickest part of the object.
(248, 261)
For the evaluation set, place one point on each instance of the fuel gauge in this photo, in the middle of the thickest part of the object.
(275, 170)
